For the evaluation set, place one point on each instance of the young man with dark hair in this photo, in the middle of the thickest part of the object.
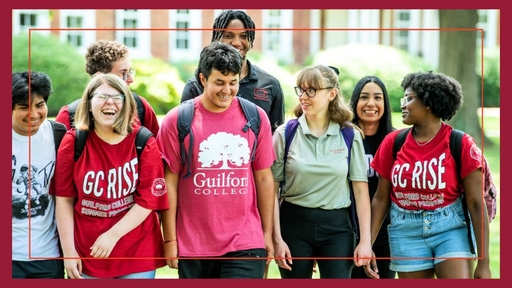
(108, 56)
(256, 85)
(35, 243)
(223, 210)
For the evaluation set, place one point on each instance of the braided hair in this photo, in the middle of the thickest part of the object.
(222, 21)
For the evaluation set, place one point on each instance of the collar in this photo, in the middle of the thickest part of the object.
(333, 129)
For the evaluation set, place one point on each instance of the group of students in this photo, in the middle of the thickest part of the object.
(110, 212)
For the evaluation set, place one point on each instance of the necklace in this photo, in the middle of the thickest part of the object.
(424, 143)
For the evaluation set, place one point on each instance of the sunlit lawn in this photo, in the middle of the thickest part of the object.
(491, 129)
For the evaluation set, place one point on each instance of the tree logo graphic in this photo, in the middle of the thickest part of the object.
(224, 148)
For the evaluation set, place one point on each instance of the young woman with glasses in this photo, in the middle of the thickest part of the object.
(312, 222)
(107, 200)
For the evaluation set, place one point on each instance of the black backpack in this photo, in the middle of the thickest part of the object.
(140, 110)
(140, 141)
(186, 114)
(59, 130)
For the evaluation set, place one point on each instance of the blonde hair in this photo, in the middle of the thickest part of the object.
(320, 76)
(123, 124)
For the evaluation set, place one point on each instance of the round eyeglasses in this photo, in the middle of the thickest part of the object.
(310, 92)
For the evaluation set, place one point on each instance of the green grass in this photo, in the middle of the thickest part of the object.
(491, 129)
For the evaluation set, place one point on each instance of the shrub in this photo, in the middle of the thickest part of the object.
(358, 60)
(159, 83)
(62, 62)
(491, 76)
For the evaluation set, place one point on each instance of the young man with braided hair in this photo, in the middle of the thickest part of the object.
(256, 85)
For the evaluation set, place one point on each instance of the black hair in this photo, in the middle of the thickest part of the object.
(442, 93)
(385, 125)
(222, 21)
(40, 84)
(221, 57)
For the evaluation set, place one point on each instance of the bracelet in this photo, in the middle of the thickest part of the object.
(167, 241)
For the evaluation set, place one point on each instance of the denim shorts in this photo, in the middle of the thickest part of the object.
(420, 239)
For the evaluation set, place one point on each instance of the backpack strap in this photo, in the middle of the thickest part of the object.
(348, 135)
(253, 121)
(59, 130)
(399, 140)
(71, 111)
(141, 139)
(185, 115)
(456, 151)
(455, 148)
(289, 133)
(141, 112)
(80, 137)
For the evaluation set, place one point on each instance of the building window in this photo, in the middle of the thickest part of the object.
(134, 31)
(482, 24)
(130, 21)
(185, 44)
(403, 20)
(182, 24)
(24, 20)
(79, 19)
(277, 42)
(272, 36)
(74, 38)
(27, 21)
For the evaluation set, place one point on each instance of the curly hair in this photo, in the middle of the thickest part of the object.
(385, 125)
(101, 54)
(442, 93)
(222, 21)
(325, 76)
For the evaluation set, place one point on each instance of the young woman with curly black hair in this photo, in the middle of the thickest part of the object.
(428, 235)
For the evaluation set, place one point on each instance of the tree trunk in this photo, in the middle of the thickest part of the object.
(457, 58)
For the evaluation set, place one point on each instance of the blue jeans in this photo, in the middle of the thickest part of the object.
(420, 239)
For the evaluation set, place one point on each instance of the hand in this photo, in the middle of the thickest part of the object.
(482, 271)
(371, 269)
(363, 254)
(171, 254)
(269, 246)
(282, 255)
(73, 266)
(104, 245)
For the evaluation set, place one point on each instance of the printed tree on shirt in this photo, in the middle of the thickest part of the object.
(226, 148)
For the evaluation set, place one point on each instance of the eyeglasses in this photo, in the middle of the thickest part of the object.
(310, 92)
(406, 100)
(119, 98)
(130, 72)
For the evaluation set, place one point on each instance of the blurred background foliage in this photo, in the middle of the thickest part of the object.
(161, 83)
